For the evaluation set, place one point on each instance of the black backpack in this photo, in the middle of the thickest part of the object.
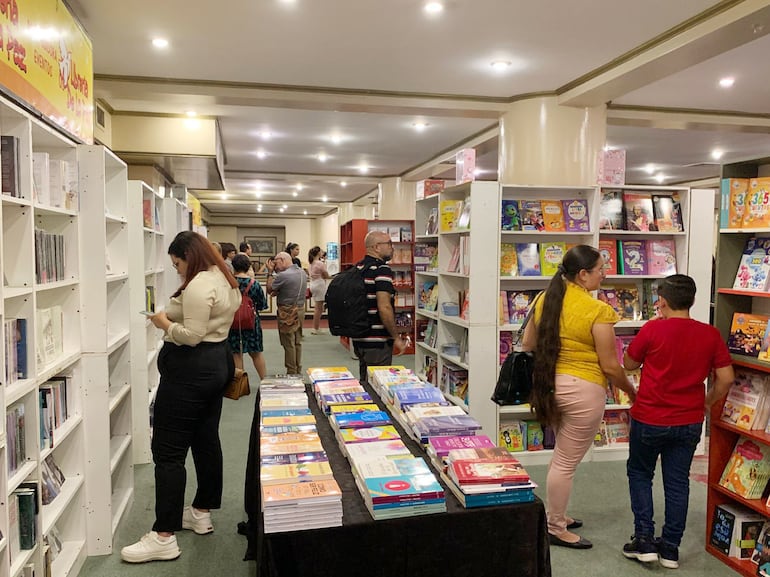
(514, 384)
(347, 305)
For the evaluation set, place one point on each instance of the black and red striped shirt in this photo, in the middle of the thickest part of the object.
(378, 277)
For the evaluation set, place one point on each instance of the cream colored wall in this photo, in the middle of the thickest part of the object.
(285, 231)
(327, 230)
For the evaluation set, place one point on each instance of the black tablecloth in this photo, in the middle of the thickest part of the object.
(510, 540)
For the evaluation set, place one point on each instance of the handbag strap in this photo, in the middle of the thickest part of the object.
(530, 314)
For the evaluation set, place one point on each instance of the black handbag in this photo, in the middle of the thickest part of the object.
(514, 384)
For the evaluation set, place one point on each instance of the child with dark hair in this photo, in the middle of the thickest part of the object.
(667, 416)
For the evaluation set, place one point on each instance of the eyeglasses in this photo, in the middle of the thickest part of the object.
(389, 243)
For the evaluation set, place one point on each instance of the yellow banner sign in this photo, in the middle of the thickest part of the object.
(46, 60)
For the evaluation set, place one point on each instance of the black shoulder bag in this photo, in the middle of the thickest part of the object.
(514, 384)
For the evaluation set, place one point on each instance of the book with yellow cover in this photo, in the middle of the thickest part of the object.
(746, 333)
(366, 435)
(290, 448)
(449, 212)
(291, 420)
(748, 469)
(551, 255)
(295, 473)
(733, 197)
(757, 204)
(509, 264)
(553, 215)
(293, 493)
(356, 408)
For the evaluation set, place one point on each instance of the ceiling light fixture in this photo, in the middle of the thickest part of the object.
(335, 138)
(322, 157)
(160, 43)
(259, 208)
(363, 168)
(420, 126)
(343, 184)
(324, 198)
(649, 169)
(294, 194)
(500, 65)
(281, 209)
(717, 153)
(261, 154)
(434, 7)
(265, 134)
(304, 212)
(223, 196)
(258, 194)
(191, 114)
(285, 206)
(660, 177)
(726, 82)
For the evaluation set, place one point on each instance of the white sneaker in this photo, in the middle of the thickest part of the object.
(315, 332)
(197, 521)
(151, 547)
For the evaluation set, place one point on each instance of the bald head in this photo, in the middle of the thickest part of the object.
(282, 261)
(378, 245)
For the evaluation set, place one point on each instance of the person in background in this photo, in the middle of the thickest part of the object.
(245, 249)
(287, 282)
(195, 366)
(217, 246)
(667, 417)
(248, 341)
(228, 252)
(293, 249)
(573, 336)
(377, 347)
(318, 278)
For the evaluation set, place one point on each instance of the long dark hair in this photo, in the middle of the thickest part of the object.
(200, 255)
(313, 253)
(543, 398)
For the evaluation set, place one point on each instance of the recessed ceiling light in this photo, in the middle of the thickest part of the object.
(726, 82)
(259, 208)
(281, 209)
(294, 194)
(649, 169)
(285, 206)
(192, 123)
(335, 138)
(324, 198)
(420, 126)
(304, 212)
(258, 194)
(343, 184)
(433, 7)
(322, 157)
(364, 168)
(261, 153)
(265, 134)
(717, 153)
(659, 178)
(500, 65)
(160, 42)
(223, 196)
(191, 114)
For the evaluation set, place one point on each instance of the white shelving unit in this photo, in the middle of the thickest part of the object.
(106, 339)
(52, 347)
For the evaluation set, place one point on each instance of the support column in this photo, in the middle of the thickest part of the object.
(396, 199)
(542, 143)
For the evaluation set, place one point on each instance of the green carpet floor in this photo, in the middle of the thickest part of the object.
(600, 499)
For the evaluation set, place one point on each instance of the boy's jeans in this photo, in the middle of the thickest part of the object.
(676, 447)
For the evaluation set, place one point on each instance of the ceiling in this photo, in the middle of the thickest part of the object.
(350, 78)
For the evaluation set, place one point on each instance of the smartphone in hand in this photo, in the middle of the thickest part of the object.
(147, 313)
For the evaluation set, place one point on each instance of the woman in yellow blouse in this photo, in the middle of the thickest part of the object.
(574, 338)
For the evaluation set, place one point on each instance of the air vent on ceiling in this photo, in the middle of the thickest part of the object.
(694, 164)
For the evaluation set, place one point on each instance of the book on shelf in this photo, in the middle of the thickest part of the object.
(748, 469)
(576, 217)
(628, 305)
(513, 436)
(661, 256)
(26, 496)
(506, 345)
(754, 267)
(733, 202)
(528, 258)
(405, 232)
(10, 183)
(454, 260)
(761, 554)
(50, 337)
(531, 215)
(637, 210)
(147, 213)
(41, 184)
(553, 215)
(632, 257)
(465, 304)
(464, 216)
(649, 299)
(616, 426)
(758, 203)
(425, 255)
(551, 255)
(735, 529)
(465, 254)
(746, 399)
(428, 296)
(534, 435)
(509, 264)
(510, 218)
(429, 187)
(431, 225)
(611, 210)
(667, 212)
(746, 334)
(449, 212)
(608, 248)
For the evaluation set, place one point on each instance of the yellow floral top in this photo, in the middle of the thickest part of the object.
(580, 311)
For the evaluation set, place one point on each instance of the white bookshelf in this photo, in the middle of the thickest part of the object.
(50, 351)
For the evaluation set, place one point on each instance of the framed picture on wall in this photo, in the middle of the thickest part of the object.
(262, 245)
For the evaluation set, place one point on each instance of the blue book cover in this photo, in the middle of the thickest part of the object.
(510, 218)
(396, 488)
(282, 429)
(528, 257)
(398, 504)
(286, 412)
(365, 419)
(345, 398)
(21, 348)
(415, 396)
(293, 458)
(501, 498)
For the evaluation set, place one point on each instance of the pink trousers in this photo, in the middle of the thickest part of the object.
(582, 406)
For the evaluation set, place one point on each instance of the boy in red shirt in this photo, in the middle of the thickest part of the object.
(676, 354)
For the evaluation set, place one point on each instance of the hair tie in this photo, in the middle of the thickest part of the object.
(561, 270)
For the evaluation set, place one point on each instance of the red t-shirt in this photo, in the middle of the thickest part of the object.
(677, 355)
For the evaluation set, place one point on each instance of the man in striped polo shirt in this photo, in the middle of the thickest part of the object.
(376, 349)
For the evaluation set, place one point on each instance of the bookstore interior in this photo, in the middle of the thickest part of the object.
(653, 146)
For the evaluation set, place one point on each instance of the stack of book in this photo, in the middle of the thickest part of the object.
(298, 488)
(745, 203)
(568, 215)
(748, 402)
(640, 211)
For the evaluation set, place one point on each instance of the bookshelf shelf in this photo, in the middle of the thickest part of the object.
(55, 509)
(121, 499)
(19, 562)
(61, 433)
(20, 474)
(119, 445)
(745, 293)
(117, 394)
(70, 558)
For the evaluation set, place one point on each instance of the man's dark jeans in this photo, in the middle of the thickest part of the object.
(676, 447)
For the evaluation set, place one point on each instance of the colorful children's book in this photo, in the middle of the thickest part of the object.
(513, 436)
(510, 218)
(744, 399)
(609, 251)
(638, 211)
(518, 305)
(428, 296)
(746, 334)
(748, 469)
(531, 215)
(534, 436)
(754, 268)
(667, 213)
(528, 257)
(551, 255)
(508, 262)
(661, 256)
(611, 210)
(733, 205)
(360, 420)
(735, 530)
(576, 215)
(369, 434)
(431, 225)
(758, 204)
(629, 308)
(449, 212)
(553, 215)
(300, 492)
(632, 257)
(296, 473)
(464, 216)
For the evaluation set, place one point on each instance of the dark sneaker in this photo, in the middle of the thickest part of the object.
(669, 555)
(642, 549)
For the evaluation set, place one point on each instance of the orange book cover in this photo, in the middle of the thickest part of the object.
(758, 204)
(746, 334)
(290, 493)
(553, 215)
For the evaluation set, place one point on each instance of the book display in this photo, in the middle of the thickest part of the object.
(739, 452)
(454, 295)
(403, 264)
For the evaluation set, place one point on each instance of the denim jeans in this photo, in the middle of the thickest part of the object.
(676, 447)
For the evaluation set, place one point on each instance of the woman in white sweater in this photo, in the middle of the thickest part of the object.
(195, 365)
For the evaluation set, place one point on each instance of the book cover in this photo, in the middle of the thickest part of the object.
(748, 469)
(431, 225)
(296, 420)
(513, 436)
(733, 202)
(534, 436)
(449, 211)
(292, 493)
(608, 248)
(637, 207)
(442, 445)
(744, 399)
(417, 412)
(269, 449)
(363, 451)
(667, 219)
(629, 308)
(350, 409)
(576, 215)
(509, 264)
(429, 187)
(518, 305)
(295, 473)
(399, 487)
(744, 527)
(611, 210)
(292, 458)
(632, 256)
(616, 424)
(531, 215)
(428, 296)
(754, 267)
(758, 204)
(506, 344)
(746, 334)
(369, 434)
(329, 374)
(661, 256)
(304, 437)
(381, 466)
(528, 258)
(360, 420)
(464, 217)
(488, 471)
(510, 218)
(553, 215)
(551, 255)
(761, 553)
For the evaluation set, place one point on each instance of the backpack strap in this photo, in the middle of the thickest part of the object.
(530, 314)
(248, 286)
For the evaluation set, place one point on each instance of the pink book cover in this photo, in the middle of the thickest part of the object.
(661, 256)
(443, 445)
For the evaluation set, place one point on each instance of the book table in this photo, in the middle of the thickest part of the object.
(500, 541)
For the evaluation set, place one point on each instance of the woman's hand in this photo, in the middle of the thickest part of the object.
(160, 320)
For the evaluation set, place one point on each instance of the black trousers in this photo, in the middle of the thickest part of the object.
(188, 407)
(372, 357)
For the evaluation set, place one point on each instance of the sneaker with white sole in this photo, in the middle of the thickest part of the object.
(151, 547)
(668, 555)
(197, 521)
(642, 549)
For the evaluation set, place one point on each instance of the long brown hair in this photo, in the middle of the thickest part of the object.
(543, 398)
(200, 255)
